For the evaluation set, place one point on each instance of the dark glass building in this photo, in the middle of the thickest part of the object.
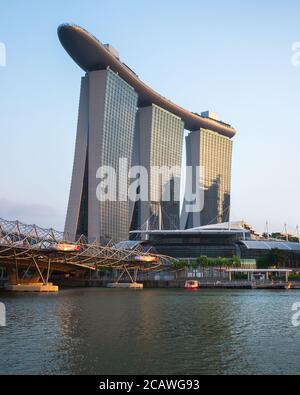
(159, 136)
(212, 153)
(105, 134)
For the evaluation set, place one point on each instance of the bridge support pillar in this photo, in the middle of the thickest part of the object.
(18, 283)
(133, 279)
(32, 287)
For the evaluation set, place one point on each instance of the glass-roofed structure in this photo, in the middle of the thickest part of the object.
(219, 240)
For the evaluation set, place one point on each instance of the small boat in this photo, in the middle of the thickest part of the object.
(192, 284)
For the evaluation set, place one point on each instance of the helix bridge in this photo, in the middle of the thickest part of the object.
(31, 254)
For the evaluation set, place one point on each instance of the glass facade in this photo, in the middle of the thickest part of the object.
(115, 136)
(82, 225)
(165, 151)
(112, 127)
(118, 132)
(215, 160)
(160, 136)
(213, 153)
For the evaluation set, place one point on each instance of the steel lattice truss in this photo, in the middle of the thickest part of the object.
(24, 244)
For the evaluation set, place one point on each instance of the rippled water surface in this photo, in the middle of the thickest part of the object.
(102, 331)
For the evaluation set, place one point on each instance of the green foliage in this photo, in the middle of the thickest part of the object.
(236, 261)
(194, 265)
(179, 265)
(280, 236)
(204, 261)
(294, 277)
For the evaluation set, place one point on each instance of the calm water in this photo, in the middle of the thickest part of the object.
(102, 331)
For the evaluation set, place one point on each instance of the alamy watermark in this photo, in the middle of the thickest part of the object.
(2, 314)
(132, 184)
(296, 54)
(296, 315)
(2, 55)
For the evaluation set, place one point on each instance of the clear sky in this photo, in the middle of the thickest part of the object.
(232, 57)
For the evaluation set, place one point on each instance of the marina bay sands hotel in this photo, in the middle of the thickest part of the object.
(122, 117)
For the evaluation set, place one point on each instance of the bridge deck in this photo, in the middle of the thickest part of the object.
(30, 246)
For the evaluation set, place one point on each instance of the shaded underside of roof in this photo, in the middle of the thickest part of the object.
(271, 245)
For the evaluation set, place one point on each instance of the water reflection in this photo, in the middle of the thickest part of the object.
(102, 331)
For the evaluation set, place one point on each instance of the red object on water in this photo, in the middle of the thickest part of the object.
(192, 284)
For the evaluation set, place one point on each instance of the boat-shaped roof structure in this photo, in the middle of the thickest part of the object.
(91, 55)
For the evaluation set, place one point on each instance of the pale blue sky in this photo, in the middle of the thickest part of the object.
(231, 57)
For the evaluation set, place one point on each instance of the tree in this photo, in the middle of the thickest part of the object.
(179, 265)
(202, 261)
(195, 264)
(236, 262)
(281, 236)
